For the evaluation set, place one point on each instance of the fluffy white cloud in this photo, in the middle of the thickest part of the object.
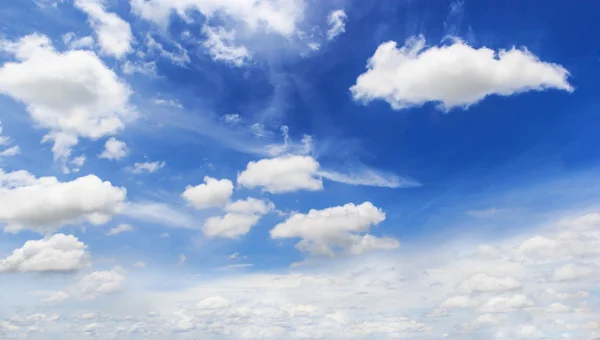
(575, 271)
(72, 94)
(282, 174)
(12, 151)
(455, 75)
(288, 173)
(213, 193)
(557, 308)
(114, 34)
(45, 203)
(231, 225)
(114, 149)
(221, 46)
(501, 304)
(241, 216)
(149, 167)
(58, 253)
(278, 16)
(58, 296)
(121, 228)
(337, 23)
(529, 332)
(485, 283)
(459, 301)
(74, 43)
(321, 230)
(213, 302)
(250, 206)
(101, 282)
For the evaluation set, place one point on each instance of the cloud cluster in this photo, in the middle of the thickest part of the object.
(58, 253)
(46, 204)
(454, 75)
(321, 231)
(72, 94)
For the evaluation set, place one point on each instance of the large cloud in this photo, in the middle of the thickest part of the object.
(213, 193)
(278, 16)
(322, 230)
(290, 173)
(58, 253)
(114, 34)
(282, 174)
(72, 94)
(45, 203)
(455, 75)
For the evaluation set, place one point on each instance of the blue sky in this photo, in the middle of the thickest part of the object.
(286, 168)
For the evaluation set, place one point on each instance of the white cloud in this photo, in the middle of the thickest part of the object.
(149, 167)
(575, 271)
(44, 203)
(282, 174)
(12, 151)
(485, 283)
(459, 301)
(74, 43)
(114, 149)
(4, 140)
(455, 75)
(370, 177)
(501, 304)
(121, 228)
(529, 332)
(213, 303)
(321, 230)
(78, 161)
(140, 264)
(250, 206)
(58, 296)
(557, 308)
(337, 23)
(159, 213)
(221, 46)
(213, 193)
(178, 55)
(232, 118)
(101, 282)
(114, 34)
(72, 94)
(57, 253)
(278, 16)
(170, 102)
(231, 225)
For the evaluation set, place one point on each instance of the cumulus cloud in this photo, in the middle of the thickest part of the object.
(57, 296)
(322, 230)
(213, 193)
(148, 167)
(455, 75)
(241, 216)
(101, 282)
(12, 151)
(213, 303)
(221, 46)
(74, 43)
(72, 94)
(45, 203)
(289, 173)
(485, 283)
(113, 33)
(121, 228)
(57, 253)
(337, 23)
(279, 16)
(282, 174)
(250, 205)
(575, 271)
(501, 304)
(114, 149)
(231, 225)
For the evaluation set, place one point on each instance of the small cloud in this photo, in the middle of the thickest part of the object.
(233, 267)
(182, 258)
(114, 149)
(169, 102)
(121, 228)
(148, 167)
(140, 264)
(232, 118)
(337, 23)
